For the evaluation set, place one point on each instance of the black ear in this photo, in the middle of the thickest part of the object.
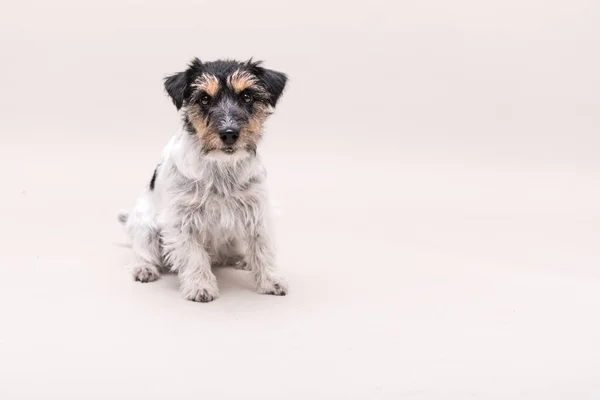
(178, 86)
(175, 86)
(273, 81)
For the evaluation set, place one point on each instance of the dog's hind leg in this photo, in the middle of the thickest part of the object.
(145, 243)
(147, 264)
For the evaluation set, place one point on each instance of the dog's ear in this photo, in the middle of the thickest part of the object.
(175, 86)
(178, 86)
(273, 81)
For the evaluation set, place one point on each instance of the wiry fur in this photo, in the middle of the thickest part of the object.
(205, 207)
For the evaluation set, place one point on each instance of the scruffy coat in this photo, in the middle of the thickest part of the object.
(204, 208)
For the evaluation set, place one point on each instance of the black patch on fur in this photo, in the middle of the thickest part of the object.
(178, 86)
(273, 81)
(189, 127)
(153, 180)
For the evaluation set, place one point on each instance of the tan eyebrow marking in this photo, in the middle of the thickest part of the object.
(241, 80)
(209, 83)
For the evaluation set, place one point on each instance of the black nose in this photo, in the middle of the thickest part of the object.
(230, 136)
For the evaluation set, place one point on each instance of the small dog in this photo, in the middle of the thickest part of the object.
(206, 204)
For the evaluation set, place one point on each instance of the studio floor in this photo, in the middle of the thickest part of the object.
(459, 277)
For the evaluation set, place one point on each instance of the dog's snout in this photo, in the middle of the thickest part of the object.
(229, 136)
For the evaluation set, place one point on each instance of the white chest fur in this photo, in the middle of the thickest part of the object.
(220, 201)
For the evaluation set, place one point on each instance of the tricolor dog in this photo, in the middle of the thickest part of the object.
(206, 203)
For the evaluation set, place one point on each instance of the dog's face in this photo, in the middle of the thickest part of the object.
(226, 103)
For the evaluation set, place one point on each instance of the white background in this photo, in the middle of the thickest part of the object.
(436, 169)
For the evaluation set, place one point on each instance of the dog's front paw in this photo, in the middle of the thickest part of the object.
(145, 273)
(274, 286)
(201, 294)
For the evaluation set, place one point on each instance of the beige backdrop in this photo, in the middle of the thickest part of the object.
(435, 165)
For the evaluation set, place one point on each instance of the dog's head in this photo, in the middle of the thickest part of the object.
(226, 103)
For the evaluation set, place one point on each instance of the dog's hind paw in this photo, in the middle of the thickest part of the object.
(273, 286)
(145, 273)
(234, 262)
(241, 264)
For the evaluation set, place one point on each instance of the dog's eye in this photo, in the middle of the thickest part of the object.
(247, 98)
(205, 99)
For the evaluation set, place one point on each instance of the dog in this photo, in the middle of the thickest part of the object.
(206, 203)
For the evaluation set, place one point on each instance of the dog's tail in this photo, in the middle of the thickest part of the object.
(123, 216)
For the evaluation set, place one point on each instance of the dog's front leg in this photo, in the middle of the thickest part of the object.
(192, 264)
(261, 261)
